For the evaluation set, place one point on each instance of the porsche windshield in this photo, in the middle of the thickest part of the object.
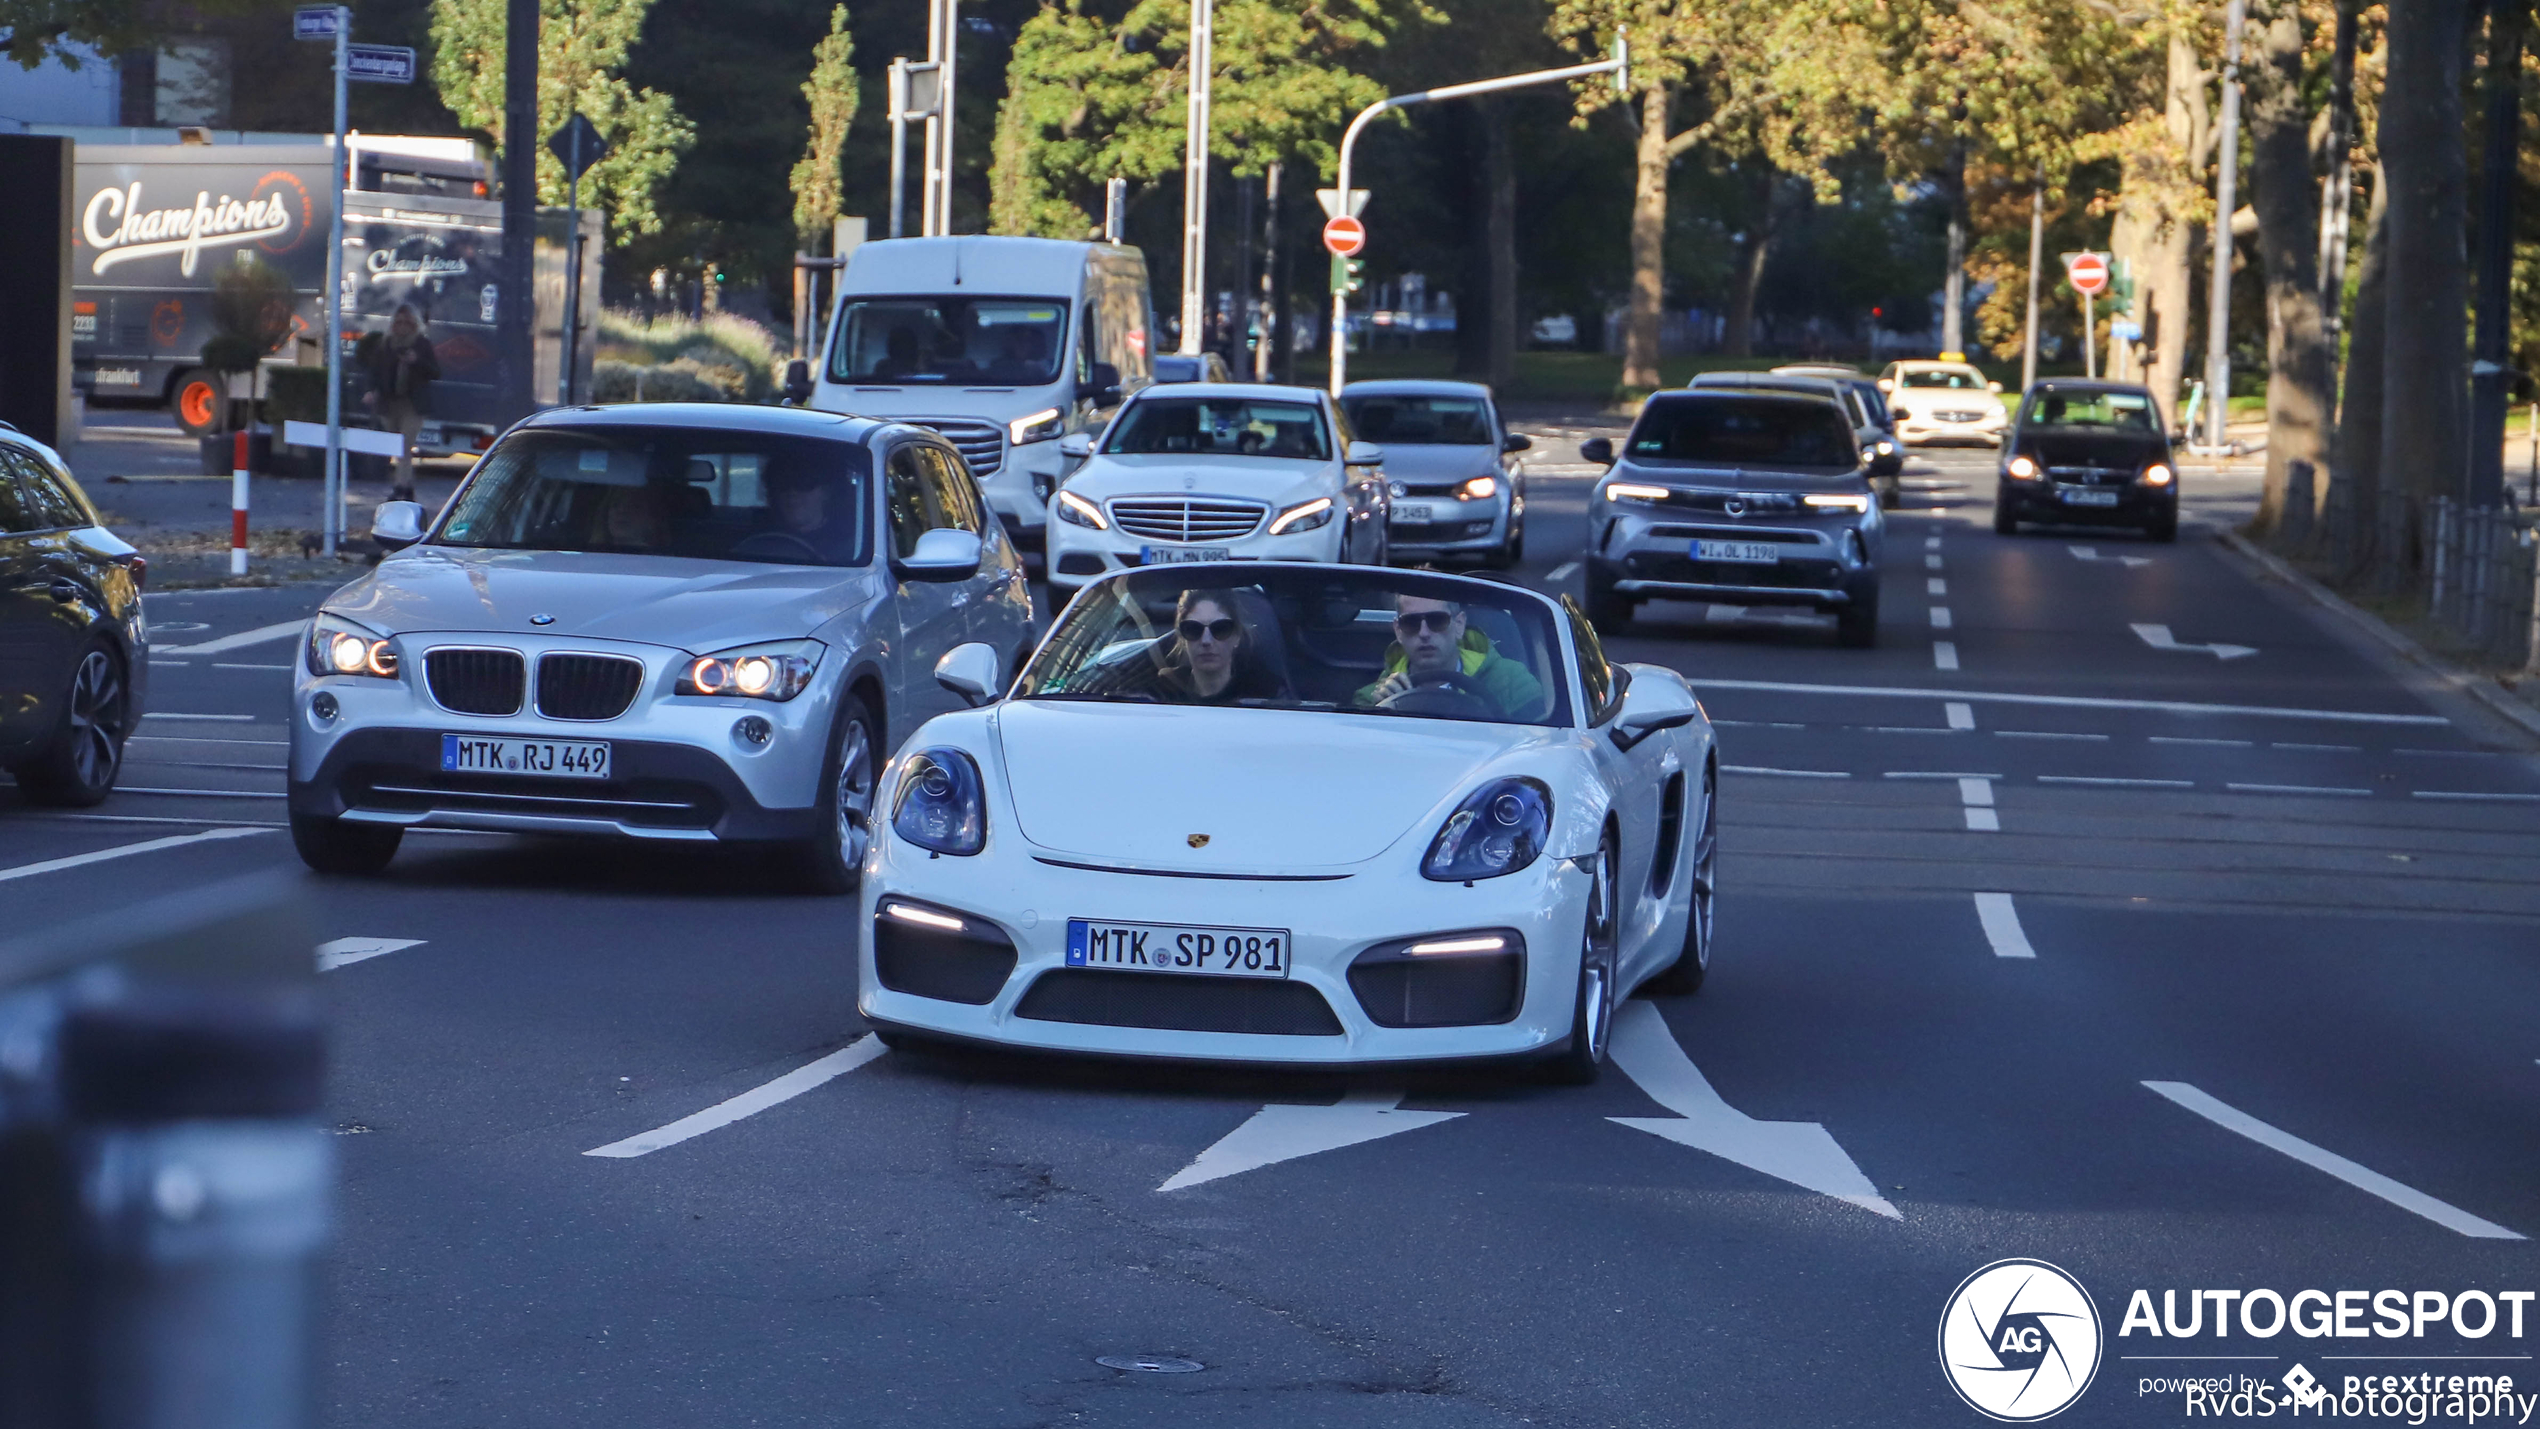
(1220, 426)
(1394, 643)
(949, 341)
(668, 491)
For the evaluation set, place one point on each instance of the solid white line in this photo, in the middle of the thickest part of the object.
(2480, 798)
(2216, 743)
(1562, 572)
(2406, 1198)
(2453, 753)
(757, 1099)
(1947, 655)
(2295, 789)
(217, 665)
(1944, 656)
(2322, 748)
(1934, 774)
(1940, 617)
(56, 865)
(2002, 926)
(1961, 715)
(166, 714)
(343, 951)
(1983, 821)
(1934, 585)
(2116, 783)
(2043, 734)
(240, 641)
(1976, 793)
(171, 819)
(1909, 729)
(1785, 773)
(202, 793)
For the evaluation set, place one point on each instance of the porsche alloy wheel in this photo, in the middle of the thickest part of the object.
(1592, 1017)
(1694, 963)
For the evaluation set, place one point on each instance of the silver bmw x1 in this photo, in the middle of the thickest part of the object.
(662, 622)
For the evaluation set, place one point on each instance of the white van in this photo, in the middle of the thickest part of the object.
(1004, 345)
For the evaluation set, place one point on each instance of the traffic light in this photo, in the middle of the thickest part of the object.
(1345, 274)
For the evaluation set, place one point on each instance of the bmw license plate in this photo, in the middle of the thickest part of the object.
(1414, 513)
(1751, 553)
(1175, 555)
(1177, 948)
(551, 758)
(2084, 496)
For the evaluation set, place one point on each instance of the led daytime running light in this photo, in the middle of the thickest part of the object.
(1304, 517)
(1634, 491)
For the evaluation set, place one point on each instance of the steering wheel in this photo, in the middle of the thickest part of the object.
(776, 543)
(1450, 693)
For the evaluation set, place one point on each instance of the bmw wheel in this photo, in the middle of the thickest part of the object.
(833, 859)
(1692, 965)
(77, 766)
(1592, 1015)
(332, 846)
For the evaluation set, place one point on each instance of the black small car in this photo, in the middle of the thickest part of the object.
(1870, 429)
(74, 657)
(1865, 390)
(2091, 454)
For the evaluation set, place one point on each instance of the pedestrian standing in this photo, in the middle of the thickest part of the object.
(400, 366)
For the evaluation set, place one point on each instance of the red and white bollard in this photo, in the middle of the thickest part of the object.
(238, 506)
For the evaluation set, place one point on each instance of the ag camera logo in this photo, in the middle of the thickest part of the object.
(2019, 1341)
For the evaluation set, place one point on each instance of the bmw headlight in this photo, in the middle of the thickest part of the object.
(337, 646)
(778, 670)
(939, 804)
(1500, 829)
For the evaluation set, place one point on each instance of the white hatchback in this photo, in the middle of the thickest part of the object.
(1206, 471)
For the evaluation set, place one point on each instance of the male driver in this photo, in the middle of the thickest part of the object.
(1433, 645)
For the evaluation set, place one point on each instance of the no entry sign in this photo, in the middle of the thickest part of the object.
(2087, 272)
(1344, 235)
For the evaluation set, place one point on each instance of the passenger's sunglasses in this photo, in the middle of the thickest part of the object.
(1436, 621)
(1220, 631)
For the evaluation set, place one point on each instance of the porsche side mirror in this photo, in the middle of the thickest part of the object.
(943, 554)
(1364, 454)
(1650, 705)
(1517, 442)
(1599, 450)
(1076, 446)
(397, 524)
(798, 382)
(969, 671)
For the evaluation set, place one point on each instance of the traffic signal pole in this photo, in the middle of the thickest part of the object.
(1619, 66)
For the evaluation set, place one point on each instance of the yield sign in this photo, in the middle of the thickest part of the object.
(2087, 272)
(1344, 234)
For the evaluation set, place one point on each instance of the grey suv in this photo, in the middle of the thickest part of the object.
(1743, 497)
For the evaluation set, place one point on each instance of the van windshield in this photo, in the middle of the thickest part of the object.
(949, 341)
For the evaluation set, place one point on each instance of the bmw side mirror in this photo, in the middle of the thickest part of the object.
(397, 524)
(942, 554)
(1516, 442)
(1599, 450)
(969, 671)
(1364, 454)
(798, 382)
(1076, 446)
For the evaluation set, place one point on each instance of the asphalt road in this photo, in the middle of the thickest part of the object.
(1983, 887)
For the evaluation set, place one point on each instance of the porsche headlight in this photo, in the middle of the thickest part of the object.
(939, 804)
(337, 646)
(1304, 516)
(1077, 511)
(779, 670)
(1038, 427)
(1500, 829)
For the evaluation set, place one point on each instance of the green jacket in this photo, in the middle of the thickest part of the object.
(1508, 684)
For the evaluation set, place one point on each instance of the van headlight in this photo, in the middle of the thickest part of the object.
(939, 805)
(779, 670)
(1038, 427)
(1500, 829)
(337, 646)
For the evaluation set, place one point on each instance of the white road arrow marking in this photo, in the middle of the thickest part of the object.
(2091, 553)
(2159, 638)
(1800, 1152)
(1284, 1133)
(331, 956)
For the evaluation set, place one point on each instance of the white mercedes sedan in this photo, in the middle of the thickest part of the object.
(1298, 814)
(1205, 471)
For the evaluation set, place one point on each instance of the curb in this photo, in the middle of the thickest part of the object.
(2487, 692)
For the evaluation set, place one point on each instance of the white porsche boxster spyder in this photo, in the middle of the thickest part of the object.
(1293, 813)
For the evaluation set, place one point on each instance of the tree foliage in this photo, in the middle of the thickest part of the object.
(582, 47)
(33, 31)
(832, 93)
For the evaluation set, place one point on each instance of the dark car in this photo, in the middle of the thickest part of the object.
(74, 656)
(1199, 367)
(1741, 496)
(1864, 389)
(1869, 430)
(2088, 453)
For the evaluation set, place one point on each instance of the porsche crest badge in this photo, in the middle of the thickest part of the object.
(1197, 840)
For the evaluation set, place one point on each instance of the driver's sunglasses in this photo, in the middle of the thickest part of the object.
(1436, 621)
(1220, 631)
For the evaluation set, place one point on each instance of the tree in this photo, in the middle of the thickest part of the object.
(33, 31)
(2301, 370)
(582, 46)
(832, 93)
(2425, 266)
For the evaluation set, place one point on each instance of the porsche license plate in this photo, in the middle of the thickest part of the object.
(1174, 555)
(1177, 948)
(2084, 496)
(1751, 553)
(550, 758)
(1414, 513)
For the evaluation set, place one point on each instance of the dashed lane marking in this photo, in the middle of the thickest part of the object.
(259, 636)
(2044, 734)
(1944, 655)
(2297, 789)
(750, 1103)
(2002, 926)
(2362, 1178)
(1934, 585)
(81, 860)
(1786, 773)
(226, 719)
(202, 793)
(1976, 798)
(2472, 797)
(344, 951)
(1931, 563)
(1562, 572)
(2110, 783)
(2210, 743)
(1933, 774)
(2097, 702)
(1961, 715)
(1940, 619)
(2322, 748)
(217, 665)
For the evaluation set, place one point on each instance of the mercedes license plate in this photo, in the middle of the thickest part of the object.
(1752, 553)
(1414, 513)
(2084, 496)
(550, 758)
(1177, 948)
(1174, 555)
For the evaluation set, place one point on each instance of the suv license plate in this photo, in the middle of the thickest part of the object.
(2085, 497)
(549, 758)
(1175, 555)
(1177, 948)
(1751, 553)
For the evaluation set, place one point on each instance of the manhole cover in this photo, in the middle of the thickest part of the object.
(1150, 1364)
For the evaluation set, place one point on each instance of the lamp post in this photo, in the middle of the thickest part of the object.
(2226, 184)
(1195, 178)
